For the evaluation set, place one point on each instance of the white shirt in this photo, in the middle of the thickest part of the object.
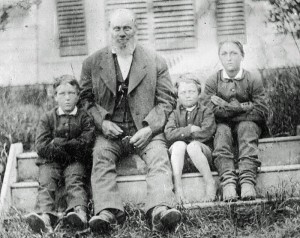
(124, 63)
(238, 76)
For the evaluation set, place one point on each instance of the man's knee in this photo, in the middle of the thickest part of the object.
(156, 155)
(103, 150)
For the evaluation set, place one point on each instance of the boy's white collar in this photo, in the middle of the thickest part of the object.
(189, 109)
(238, 76)
(60, 112)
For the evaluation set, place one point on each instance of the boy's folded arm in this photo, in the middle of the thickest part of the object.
(85, 140)
(44, 141)
(219, 111)
(174, 133)
(208, 127)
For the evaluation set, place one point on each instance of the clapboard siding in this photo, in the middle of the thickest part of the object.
(72, 27)
(230, 16)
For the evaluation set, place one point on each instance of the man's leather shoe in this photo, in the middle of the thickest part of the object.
(102, 222)
(39, 223)
(77, 218)
(165, 218)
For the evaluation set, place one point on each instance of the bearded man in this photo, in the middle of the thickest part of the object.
(128, 91)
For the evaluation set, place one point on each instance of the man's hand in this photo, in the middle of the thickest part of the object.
(111, 130)
(218, 101)
(141, 137)
(195, 128)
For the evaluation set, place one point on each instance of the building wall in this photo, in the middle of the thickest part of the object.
(29, 46)
(18, 47)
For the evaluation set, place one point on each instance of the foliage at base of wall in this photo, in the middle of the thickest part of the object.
(283, 91)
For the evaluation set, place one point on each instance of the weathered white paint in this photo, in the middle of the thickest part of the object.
(10, 177)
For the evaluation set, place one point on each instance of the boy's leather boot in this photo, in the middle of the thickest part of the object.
(77, 218)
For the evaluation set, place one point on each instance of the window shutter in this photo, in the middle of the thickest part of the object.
(140, 8)
(71, 26)
(174, 24)
(231, 20)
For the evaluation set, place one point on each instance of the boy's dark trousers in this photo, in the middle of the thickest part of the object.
(247, 134)
(52, 176)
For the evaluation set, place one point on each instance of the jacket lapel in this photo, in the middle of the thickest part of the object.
(138, 69)
(108, 71)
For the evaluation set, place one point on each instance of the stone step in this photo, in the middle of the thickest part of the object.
(276, 180)
(273, 152)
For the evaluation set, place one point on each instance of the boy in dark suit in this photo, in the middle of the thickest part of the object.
(64, 139)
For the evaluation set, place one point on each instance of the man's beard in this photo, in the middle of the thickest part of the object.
(124, 49)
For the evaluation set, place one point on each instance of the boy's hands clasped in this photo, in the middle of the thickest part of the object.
(245, 106)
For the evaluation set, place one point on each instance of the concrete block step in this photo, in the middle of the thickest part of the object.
(273, 152)
(271, 180)
(279, 151)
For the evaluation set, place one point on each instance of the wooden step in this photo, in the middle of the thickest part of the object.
(273, 152)
(283, 179)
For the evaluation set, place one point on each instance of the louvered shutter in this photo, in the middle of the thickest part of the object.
(72, 27)
(140, 8)
(231, 20)
(174, 24)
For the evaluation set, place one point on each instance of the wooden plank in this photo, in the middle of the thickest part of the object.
(10, 177)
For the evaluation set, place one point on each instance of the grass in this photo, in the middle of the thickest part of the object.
(274, 219)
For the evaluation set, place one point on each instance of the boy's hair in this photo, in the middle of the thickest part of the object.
(66, 79)
(188, 78)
